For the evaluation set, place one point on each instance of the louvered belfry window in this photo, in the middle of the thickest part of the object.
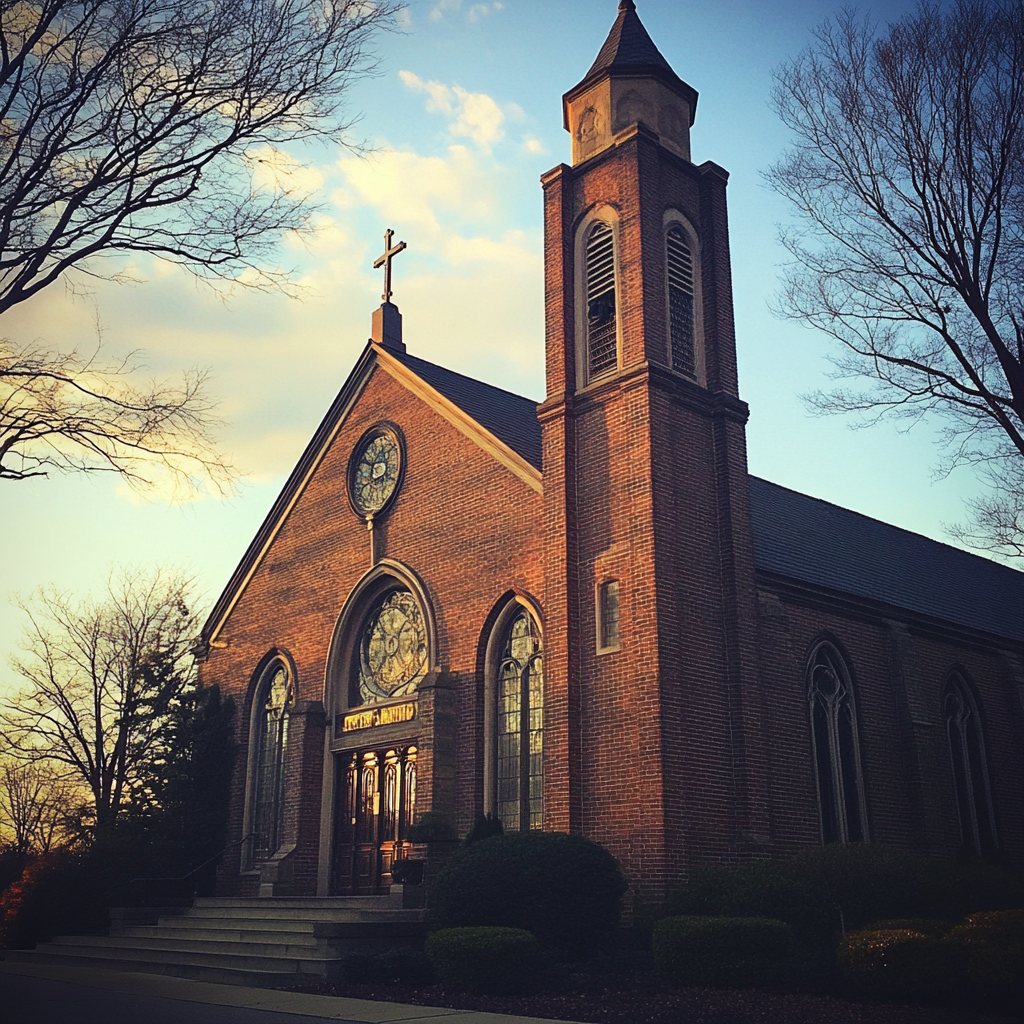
(680, 302)
(602, 335)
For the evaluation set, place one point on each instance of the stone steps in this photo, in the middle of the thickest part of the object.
(261, 942)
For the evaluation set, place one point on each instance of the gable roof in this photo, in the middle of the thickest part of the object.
(504, 424)
(816, 542)
(510, 418)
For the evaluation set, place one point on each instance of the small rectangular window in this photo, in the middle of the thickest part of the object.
(608, 616)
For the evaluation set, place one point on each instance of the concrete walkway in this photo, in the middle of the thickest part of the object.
(45, 994)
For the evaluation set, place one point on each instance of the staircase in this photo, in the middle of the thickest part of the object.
(263, 942)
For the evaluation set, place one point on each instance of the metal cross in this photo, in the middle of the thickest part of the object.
(390, 252)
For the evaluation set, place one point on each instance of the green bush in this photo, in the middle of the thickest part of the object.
(990, 930)
(900, 963)
(390, 967)
(499, 960)
(932, 927)
(724, 952)
(432, 827)
(484, 827)
(993, 943)
(825, 891)
(60, 893)
(565, 889)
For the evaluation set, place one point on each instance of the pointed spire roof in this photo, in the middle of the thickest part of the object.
(629, 45)
(630, 51)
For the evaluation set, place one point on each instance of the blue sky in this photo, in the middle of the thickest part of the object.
(462, 119)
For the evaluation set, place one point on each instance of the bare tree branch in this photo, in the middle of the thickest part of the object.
(132, 126)
(98, 678)
(908, 174)
(73, 413)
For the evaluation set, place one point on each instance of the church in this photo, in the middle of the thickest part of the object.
(585, 615)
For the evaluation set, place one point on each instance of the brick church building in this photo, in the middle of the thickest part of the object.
(585, 615)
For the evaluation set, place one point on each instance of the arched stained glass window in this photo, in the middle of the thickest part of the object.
(520, 727)
(602, 321)
(275, 695)
(680, 301)
(391, 654)
(970, 768)
(836, 748)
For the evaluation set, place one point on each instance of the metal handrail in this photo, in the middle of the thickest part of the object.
(209, 860)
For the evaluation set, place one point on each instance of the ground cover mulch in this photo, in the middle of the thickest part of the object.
(623, 988)
(677, 1006)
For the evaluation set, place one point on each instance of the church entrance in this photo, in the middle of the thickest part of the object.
(376, 798)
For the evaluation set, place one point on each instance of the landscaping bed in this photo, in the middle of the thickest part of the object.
(673, 1006)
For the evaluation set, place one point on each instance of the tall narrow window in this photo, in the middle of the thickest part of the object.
(836, 748)
(276, 695)
(680, 302)
(602, 331)
(608, 616)
(970, 770)
(520, 722)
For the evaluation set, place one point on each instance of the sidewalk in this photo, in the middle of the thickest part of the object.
(45, 994)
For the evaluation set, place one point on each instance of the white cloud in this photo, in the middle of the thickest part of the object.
(477, 116)
(474, 13)
(410, 189)
(532, 145)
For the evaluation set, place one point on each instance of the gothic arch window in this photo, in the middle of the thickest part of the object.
(601, 326)
(274, 698)
(836, 747)
(681, 300)
(516, 692)
(970, 769)
(389, 657)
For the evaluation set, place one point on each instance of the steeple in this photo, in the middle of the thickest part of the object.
(629, 82)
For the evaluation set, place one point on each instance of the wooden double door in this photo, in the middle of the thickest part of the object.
(376, 804)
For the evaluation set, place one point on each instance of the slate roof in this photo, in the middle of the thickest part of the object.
(629, 45)
(813, 541)
(510, 418)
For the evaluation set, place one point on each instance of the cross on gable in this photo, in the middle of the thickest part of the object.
(390, 252)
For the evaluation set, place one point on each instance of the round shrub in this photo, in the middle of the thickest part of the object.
(498, 960)
(565, 889)
(899, 963)
(723, 952)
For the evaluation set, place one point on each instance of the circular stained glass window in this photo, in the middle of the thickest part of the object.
(392, 655)
(374, 472)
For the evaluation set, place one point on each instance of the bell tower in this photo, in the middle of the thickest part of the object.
(653, 744)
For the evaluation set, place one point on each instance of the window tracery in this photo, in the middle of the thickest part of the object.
(391, 653)
(520, 728)
(970, 769)
(276, 694)
(836, 748)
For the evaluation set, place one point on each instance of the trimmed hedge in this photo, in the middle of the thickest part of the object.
(724, 952)
(565, 889)
(983, 956)
(899, 963)
(836, 888)
(994, 946)
(495, 960)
